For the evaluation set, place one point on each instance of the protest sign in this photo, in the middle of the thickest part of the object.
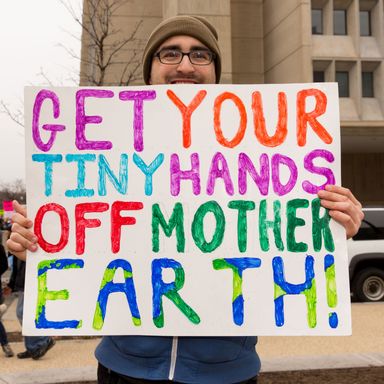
(7, 209)
(184, 210)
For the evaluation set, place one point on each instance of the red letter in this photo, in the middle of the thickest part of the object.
(117, 221)
(64, 223)
(187, 113)
(304, 118)
(259, 121)
(243, 120)
(82, 222)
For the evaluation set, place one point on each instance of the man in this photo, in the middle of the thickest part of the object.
(35, 346)
(184, 49)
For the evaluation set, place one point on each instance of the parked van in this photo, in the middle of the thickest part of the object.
(366, 257)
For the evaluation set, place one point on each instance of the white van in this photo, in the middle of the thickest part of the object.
(366, 257)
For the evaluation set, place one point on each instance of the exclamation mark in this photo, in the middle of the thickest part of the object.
(330, 277)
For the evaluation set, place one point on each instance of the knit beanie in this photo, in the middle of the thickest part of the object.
(194, 26)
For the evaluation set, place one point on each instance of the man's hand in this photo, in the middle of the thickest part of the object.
(343, 207)
(22, 237)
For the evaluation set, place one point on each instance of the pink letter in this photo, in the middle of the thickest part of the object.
(326, 172)
(177, 174)
(222, 171)
(278, 187)
(82, 119)
(54, 128)
(138, 97)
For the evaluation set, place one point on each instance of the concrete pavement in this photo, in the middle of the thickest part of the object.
(72, 360)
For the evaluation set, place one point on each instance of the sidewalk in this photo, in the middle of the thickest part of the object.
(72, 360)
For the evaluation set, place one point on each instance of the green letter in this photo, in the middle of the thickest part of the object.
(293, 222)
(320, 226)
(264, 224)
(198, 226)
(176, 220)
(242, 207)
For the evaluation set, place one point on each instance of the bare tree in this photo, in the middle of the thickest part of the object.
(106, 44)
(109, 49)
(13, 190)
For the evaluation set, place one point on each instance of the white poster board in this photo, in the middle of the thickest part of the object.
(184, 210)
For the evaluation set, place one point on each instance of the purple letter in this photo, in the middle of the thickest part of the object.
(54, 128)
(138, 97)
(262, 181)
(279, 188)
(309, 166)
(82, 119)
(219, 171)
(177, 174)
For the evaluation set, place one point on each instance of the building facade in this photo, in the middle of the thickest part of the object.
(290, 41)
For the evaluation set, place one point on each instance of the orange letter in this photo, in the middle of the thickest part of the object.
(186, 112)
(310, 117)
(243, 120)
(259, 121)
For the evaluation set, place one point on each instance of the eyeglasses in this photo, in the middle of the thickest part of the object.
(175, 56)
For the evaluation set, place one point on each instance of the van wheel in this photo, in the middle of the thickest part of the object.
(368, 285)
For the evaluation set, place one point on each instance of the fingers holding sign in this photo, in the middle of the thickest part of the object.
(22, 236)
(343, 207)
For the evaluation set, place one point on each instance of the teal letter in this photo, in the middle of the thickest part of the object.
(48, 161)
(148, 170)
(121, 184)
(80, 191)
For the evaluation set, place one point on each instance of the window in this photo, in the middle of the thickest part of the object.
(367, 84)
(317, 21)
(372, 227)
(365, 23)
(339, 22)
(342, 78)
(318, 76)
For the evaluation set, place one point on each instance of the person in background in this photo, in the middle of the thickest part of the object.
(3, 307)
(36, 346)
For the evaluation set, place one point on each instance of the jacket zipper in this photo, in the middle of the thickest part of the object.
(173, 358)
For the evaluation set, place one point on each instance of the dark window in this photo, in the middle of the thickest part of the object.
(342, 79)
(317, 21)
(365, 23)
(368, 231)
(372, 227)
(318, 76)
(339, 22)
(367, 84)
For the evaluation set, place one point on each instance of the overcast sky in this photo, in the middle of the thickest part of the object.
(31, 32)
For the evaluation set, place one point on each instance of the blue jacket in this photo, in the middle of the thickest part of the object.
(193, 360)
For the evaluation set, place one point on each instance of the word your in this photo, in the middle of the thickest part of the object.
(303, 118)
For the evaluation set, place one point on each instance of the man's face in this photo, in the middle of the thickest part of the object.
(185, 72)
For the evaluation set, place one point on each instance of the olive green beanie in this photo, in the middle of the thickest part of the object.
(194, 26)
